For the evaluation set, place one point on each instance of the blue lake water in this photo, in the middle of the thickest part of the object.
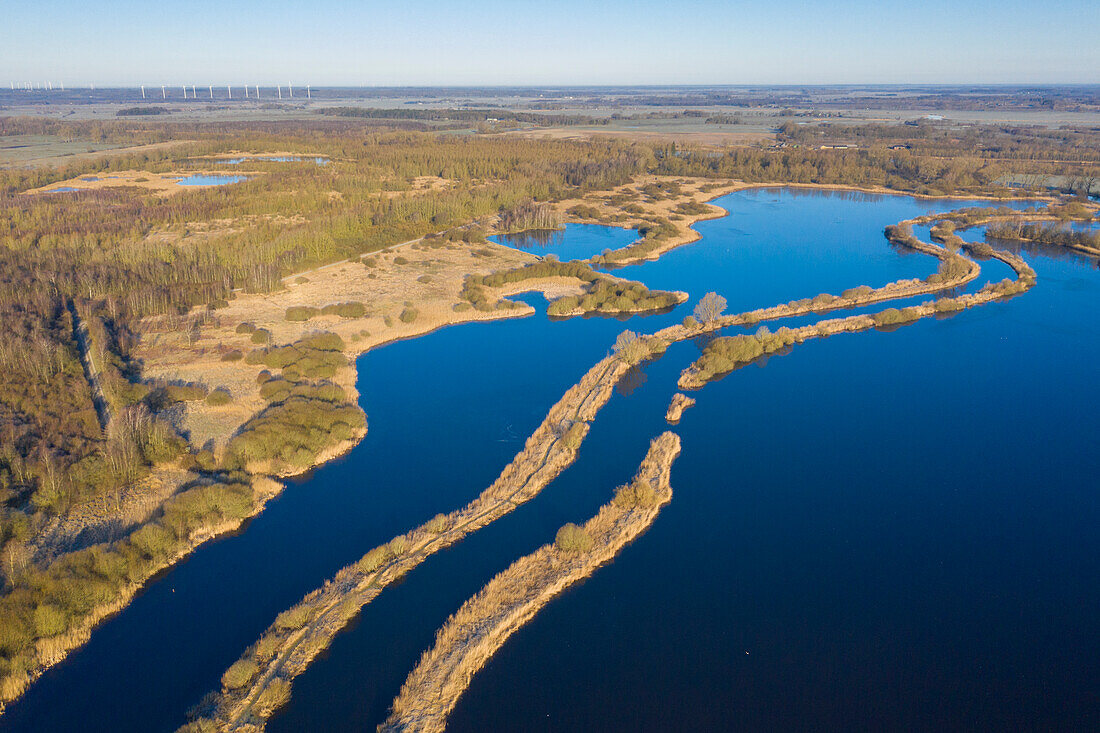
(272, 159)
(879, 530)
(199, 179)
(574, 242)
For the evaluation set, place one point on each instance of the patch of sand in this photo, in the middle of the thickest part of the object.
(429, 276)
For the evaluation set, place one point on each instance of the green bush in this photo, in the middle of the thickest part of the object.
(291, 433)
(409, 315)
(351, 309)
(49, 620)
(574, 436)
(245, 328)
(630, 348)
(294, 618)
(571, 538)
(438, 524)
(239, 674)
(301, 313)
(219, 397)
(892, 316)
(316, 356)
(854, 293)
(261, 336)
(400, 260)
(374, 559)
(637, 494)
(234, 355)
(273, 697)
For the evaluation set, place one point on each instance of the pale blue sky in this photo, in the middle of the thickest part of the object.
(422, 42)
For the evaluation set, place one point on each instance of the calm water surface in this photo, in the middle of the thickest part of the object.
(880, 530)
(199, 179)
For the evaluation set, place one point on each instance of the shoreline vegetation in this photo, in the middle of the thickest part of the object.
(474, 633)
(158, 331)
(300, 633)
(246, 700)
(725, 354)
(192, 362)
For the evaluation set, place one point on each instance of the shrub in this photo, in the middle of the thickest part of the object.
(374, 559)
(571, 538)
(438, 524)
(245, 328)
(273, 697)
(639, 493)
(948, 305)
(240, 674)
(397, 546)
(630, 348)
(584, 211)
(690, 322)
(854, 293)
(234, 355)
(294, 618)
(219, 397)
(400, 260)
(300, 313)
(261, 336)
(266, 647)
(574, 436)
(424, 279)
(351, 309)
(892, 316)
(49, 620)
(409, 315)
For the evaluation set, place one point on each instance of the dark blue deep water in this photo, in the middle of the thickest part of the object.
(874, 531)
(573, 242)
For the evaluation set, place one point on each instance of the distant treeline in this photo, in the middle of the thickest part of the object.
(141, 111)
(462, 115)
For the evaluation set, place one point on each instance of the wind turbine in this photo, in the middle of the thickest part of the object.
(280, 92)
(230, 89)
(163, 94)
(143, 91)
(211, 91)
(291, 88)
(308, 95)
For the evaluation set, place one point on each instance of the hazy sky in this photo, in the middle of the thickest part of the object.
(421, 42)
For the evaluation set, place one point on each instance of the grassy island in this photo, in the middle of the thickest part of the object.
(483, 624)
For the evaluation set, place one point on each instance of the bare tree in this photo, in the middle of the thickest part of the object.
(710, 308)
